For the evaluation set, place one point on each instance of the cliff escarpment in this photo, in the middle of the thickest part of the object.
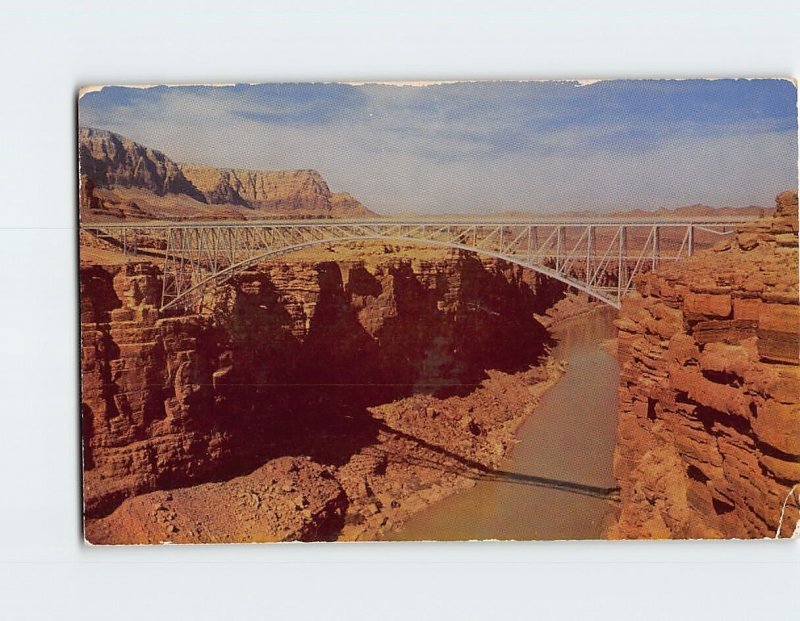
(121, 178)
(280, 382)
(108, 159)
(709, 424)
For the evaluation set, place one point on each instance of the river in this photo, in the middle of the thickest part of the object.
(556, 478)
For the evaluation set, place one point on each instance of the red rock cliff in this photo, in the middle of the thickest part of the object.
(284, 191)
(176, 400)
(709, 426)
(109, 162)
(109, 159)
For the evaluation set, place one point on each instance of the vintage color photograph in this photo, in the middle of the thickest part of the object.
(533, 310)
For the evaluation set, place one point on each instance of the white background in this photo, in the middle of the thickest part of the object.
(48, 49)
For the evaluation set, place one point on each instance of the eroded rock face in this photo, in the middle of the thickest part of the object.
(108, 159)
(290, 191)
(143, 381)
(285, 364)
(709, 428)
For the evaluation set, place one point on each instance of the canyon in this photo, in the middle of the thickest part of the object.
(339, 391)
(318, 399)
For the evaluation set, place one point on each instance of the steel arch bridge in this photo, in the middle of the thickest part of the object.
(598, 256)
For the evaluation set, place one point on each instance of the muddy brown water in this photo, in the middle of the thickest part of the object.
(553, 484)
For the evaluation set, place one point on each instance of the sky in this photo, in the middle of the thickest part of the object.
(482, 147)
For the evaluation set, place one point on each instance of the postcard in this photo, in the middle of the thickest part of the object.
(514, 310)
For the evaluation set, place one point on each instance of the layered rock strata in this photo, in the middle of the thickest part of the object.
(292, 361)
(709, 426)
(108, 159)
(116, 170)
(290, 191)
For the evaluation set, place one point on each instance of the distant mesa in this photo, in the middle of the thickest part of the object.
(699, 210)
(291, 191)
(121, 178)
(689, 211)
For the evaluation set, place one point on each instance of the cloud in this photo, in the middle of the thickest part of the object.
(477, 146)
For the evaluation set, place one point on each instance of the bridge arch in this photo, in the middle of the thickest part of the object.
(219, 277)
(583, 253)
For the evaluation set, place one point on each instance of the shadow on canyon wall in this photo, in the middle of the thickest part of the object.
(284, 395)
(191, 399)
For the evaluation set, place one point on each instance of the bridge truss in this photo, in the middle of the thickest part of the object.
(599, 257)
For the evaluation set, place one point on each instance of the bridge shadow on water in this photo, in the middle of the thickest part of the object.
(454, 463)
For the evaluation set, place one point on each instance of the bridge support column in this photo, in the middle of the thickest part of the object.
(622, 267)
(533, 241)
(656, 245)
(559, 246)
